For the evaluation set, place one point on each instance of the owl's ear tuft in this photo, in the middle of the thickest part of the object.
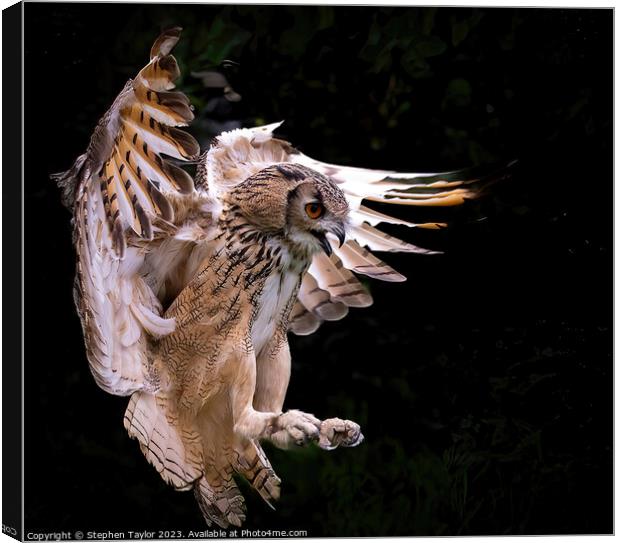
(291, 172)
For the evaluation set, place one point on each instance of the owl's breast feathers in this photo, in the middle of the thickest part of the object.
(244, 291)
(265, 269)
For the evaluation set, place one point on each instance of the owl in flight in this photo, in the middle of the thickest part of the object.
(187, 288)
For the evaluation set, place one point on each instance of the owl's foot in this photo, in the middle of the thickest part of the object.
(338, 432)
(299, 428)
(294, 428)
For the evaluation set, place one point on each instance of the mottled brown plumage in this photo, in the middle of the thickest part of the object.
(187, 291)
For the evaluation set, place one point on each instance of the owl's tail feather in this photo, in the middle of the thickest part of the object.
(170, 452)
(220, 500)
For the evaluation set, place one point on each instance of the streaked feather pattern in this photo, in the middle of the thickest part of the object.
(161, 443)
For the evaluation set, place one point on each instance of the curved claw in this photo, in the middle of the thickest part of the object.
(337, 432)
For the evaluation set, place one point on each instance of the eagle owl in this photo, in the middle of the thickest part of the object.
(187, 288)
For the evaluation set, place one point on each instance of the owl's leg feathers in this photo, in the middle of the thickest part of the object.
(294, 428)
(282, 429)
(250, 393)
(273, 373)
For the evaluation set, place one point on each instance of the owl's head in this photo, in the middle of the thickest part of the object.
(296, 202)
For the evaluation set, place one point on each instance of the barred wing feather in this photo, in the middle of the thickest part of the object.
(119, 191)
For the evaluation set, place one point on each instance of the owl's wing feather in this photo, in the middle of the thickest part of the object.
(120, 191)
(330, 285)
(302, 321)
(364, 236)
(362, 261)
(318, 301)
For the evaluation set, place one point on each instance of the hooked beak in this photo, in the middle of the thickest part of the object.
(337, 230)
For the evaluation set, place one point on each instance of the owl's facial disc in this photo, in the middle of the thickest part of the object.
(294, 201)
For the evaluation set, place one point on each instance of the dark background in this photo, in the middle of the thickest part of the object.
(483, 383)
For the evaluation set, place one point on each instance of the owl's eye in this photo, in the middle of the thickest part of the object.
(314, 210)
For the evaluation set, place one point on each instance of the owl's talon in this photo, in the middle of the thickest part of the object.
(337, 432)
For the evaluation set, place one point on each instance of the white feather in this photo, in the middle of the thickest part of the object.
(272, 302)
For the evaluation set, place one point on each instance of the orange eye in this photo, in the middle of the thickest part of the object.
(314, 210)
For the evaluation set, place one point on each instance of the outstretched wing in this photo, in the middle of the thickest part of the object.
(335, 281)
(330, 286)
(120, 191)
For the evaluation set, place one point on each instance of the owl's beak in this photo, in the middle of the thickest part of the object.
(338, 231)
(322, 239)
